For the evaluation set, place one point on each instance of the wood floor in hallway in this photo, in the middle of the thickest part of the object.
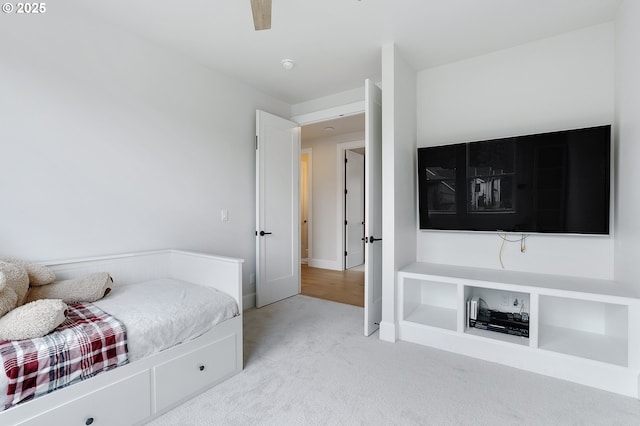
(338, 286)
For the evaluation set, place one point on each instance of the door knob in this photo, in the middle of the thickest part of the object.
(262, 233)
(373, 240)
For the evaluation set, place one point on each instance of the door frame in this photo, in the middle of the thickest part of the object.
(309, 152)
(330, 114)
(341, 148)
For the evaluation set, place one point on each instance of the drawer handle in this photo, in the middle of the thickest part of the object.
(201, 368)
(89, 421)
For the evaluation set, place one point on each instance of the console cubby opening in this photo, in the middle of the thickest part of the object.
(430, 303)
(584, 328)
(505, 301)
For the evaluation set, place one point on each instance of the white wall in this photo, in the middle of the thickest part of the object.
(627, 247)
(325, 249)
(557, 83)
(330, 102)
(399, 86)
(111, 144)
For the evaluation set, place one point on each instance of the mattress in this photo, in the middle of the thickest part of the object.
(161, 313)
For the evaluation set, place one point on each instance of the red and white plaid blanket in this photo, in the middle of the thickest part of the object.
(88, 342)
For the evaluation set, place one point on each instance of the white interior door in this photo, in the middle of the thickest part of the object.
(373, 208)
(277, 208)
(354, 208)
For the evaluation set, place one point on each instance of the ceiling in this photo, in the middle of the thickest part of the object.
(333, 127)
(336, 43)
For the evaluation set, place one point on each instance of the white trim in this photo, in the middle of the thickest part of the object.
(141, 253)
(328, 114)
(341, 148)
(249, 301)
(325, 264)
(388, 331)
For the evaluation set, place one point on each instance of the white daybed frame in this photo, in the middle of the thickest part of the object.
(141, 390)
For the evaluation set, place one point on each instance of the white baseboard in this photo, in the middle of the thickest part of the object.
(248, 301)
(388, 331)
(325, 264)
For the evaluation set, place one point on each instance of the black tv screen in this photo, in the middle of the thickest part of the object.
(551, 183)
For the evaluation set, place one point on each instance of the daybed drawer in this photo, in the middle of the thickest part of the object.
(185, 375)
(123, 403)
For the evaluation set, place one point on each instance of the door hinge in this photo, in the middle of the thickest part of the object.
(345, 191)
(345, 222)
(346, 161)
(256, 142)
(345, 253)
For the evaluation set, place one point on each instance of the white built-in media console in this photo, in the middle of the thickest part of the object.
(579, 329)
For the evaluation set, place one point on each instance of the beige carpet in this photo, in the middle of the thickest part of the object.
(307, 363)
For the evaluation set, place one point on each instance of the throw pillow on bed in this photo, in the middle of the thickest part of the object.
(35, 319)
(88, 288)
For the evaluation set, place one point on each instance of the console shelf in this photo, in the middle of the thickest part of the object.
(434, 316)
(599, 347)
(580, 329)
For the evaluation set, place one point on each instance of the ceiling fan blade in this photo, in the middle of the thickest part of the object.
(261, 14)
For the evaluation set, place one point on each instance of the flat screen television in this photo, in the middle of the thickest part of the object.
(555, 182)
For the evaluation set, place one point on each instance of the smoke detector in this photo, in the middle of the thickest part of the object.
(288, 64)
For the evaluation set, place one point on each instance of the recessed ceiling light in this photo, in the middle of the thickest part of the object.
(288, 64)
(329, 129)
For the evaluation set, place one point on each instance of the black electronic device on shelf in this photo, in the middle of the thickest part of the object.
(502, 322)
(513, 323)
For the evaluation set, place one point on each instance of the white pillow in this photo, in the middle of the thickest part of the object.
(35, 319)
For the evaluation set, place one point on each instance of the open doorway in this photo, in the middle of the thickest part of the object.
(306, 198)
(354, 205)
(334, 269)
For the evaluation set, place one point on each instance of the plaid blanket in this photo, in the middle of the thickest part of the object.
(88, 342)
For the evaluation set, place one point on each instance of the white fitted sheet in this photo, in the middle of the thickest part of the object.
(162, 313)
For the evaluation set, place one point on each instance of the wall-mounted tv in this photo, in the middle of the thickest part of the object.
(555, 182)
